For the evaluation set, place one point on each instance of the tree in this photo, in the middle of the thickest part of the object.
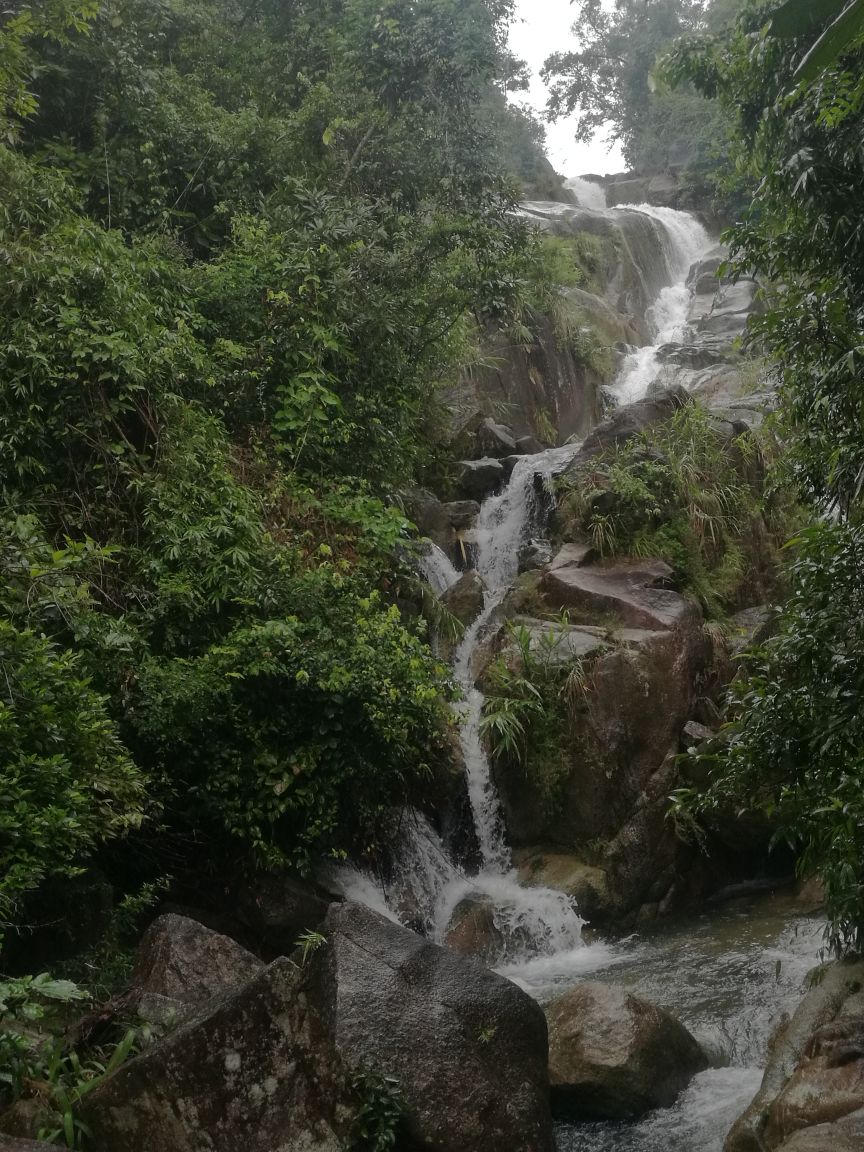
(607, 82)
(795, 90)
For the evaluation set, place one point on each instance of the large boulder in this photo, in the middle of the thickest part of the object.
(798, 1065)
(495, 440)
(613, 1056)
(472, 931)
(587, 884)
(629, 421)
(477, 479)
(468, 1047)
(180, 963)
(846, 1135)
(255, 1070)
(636, 592)
(464, 599)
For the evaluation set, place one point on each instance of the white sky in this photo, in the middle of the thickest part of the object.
(541, 28)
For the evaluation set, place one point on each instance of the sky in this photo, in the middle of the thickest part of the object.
(543, 27)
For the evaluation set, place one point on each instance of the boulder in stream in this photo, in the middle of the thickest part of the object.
(468, 1047)
(613, 1056)
(464, 599)
(846, 1135)
(815, 1069)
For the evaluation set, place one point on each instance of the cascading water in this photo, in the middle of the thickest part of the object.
(437, 569)
(587, 193)
(426, 887)
(667, 317)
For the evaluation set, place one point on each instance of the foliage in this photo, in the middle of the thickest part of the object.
(534, 692)
(679, 491)
(243, 246)
(38, 1066)
(379, 1116)
(795, 748)
(67, 782)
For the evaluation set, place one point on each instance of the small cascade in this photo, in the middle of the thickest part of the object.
(425, 887)
(587, 193)
(436, 568)
(685, 241)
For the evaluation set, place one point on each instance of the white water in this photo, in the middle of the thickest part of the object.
(426, 887)
(587, 193)
(667, 317)
(436, 568)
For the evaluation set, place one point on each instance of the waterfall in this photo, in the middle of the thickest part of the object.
(436, 568)
(587, 193)
(685, 241)
(425, 886)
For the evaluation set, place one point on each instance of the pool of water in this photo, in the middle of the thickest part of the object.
(729, 975)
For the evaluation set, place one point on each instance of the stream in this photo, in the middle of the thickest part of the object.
(728, 974)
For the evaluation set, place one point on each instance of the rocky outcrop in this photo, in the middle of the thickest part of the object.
(613, 1056)
(255, 1070)
(846, 1135)
(477, 479)
(815, 1070)
(181, 964)
(627, 422)
(468, 1048)
(464, 599)
(635, 593)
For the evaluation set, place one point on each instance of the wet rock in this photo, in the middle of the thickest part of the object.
(467, 1046)
(629, 421)
(729, 310)
(534, 555)
(461, 514)
(834, 994)
(572, 556)
(827, 1084)
(528, 446)
(559, 644)
(16, 1144)
(509, 464)
(495, 440)
(180, 963)
(632, 591)
(586, 884)
(473, 932)
(429, 514)
(477, 479)
(846, 1135)
(464, 599)
(613, 1056)
(256, 1070)
(275, 908)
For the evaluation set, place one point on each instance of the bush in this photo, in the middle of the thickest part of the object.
(68, 784)
(795, 751)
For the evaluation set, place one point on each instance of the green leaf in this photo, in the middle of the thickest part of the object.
(798, 17)
(834, 41)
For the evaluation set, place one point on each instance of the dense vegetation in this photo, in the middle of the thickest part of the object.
(794, 86)
(243, 243)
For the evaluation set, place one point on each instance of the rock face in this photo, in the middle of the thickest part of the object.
(183, 960)
(615, 1057)
(629, 421)
(634, 591)
(845, 1135)
(256, 1070)
(13, 1144)
(469, 1048)
(495, 440)
(815, 1072)
(587, 884)
(473, 932)
(464, 599)
(478, 478)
